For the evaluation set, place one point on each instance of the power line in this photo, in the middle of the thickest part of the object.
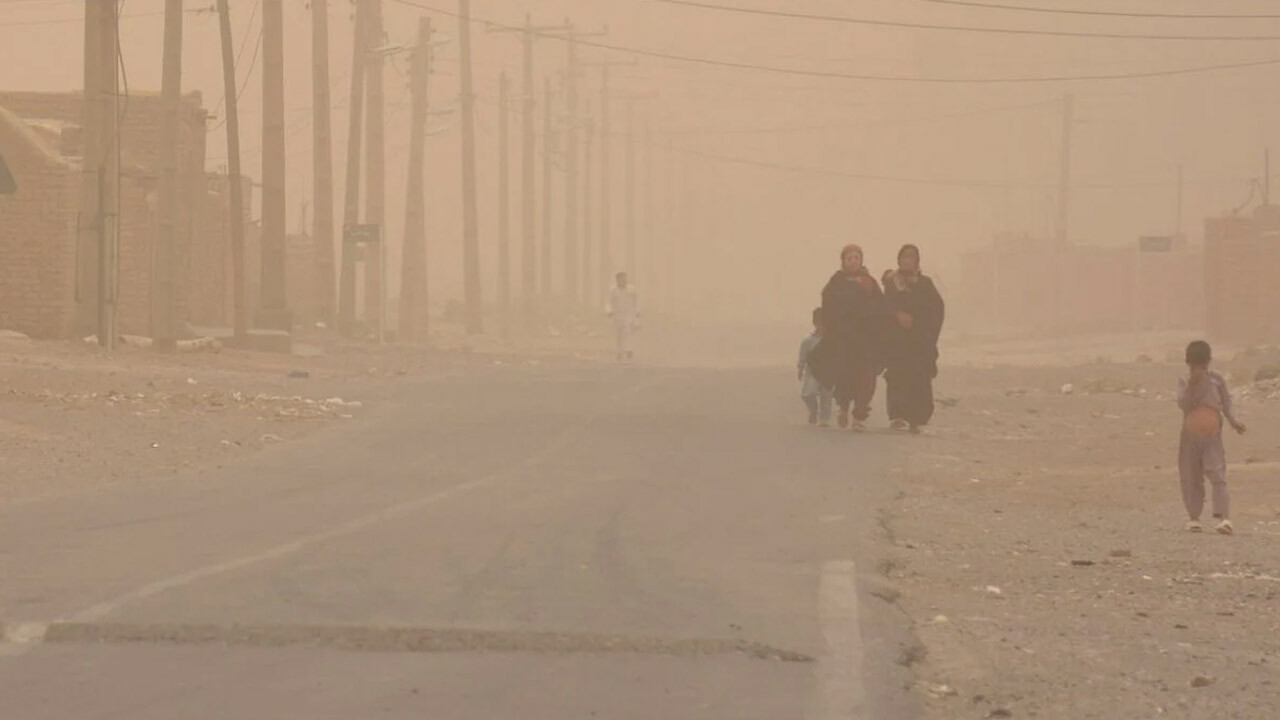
(856, 124)
(961, 28)
(67, 20)
(944, 182)
(695, 60)
(1104, 13)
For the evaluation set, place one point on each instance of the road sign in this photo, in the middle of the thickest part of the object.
(361, 235)
(8, 185)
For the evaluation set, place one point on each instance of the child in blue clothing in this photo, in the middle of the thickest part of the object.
(816, 397)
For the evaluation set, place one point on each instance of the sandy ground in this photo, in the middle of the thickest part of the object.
(1040, 550)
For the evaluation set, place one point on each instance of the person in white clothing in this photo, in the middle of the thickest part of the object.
(624, 309)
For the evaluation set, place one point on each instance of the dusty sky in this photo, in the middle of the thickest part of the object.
(945, 165)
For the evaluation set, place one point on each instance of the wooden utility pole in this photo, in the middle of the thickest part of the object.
(164, 331)
(351, 193)
(470, 232)
(549, 148)
(235, 190)
(571, 171)
(109, 175)
(375, 208)
(413, 320)
(588, 269)
(322, 159)
(273, 310)
(504, 204)
(89, 222)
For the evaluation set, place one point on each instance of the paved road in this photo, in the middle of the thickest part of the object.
(514, 542)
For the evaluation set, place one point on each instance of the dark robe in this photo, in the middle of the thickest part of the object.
(849, 355)
(911, 354)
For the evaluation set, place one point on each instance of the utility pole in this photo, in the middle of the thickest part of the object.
(273, 311)
(606, 184)
(235, 190)
(504, 205)
(1064, 178)
(528, 216)
(375, 208)
(351, 199)
(470, 233)
(109, 175)
(164, 335)
(1177, 220)
(322, 159)
(588, 270)
(571, 171)
(1266, 176)
(1064, 207)
(629, 188)
(89, 222)
(548, 150)
(646, 187)
(413, 319)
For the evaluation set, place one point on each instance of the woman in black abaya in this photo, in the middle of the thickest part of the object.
(916, 312)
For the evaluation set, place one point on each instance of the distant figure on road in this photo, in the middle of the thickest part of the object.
(624, 309)
(1205, 401)
(849, 356)
(916, 312)
(816, 397)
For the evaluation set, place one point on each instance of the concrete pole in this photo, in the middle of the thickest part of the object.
(322, 165)
(470, 221)
(109, 175)
(571, 173)
(273, 301)
(351, 199)
(164, 331)
(89, 222)
(235, 215)
(504, 203)
(375, 208)
(413, 320)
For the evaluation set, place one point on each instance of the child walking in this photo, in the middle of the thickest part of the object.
(1205, 401)
(816, 397)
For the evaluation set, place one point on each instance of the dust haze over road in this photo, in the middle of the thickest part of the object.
(492, 518)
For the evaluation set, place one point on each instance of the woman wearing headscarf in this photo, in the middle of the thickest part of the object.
(916, 312)
(849, 359)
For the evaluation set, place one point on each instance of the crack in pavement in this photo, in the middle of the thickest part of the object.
(406, 640)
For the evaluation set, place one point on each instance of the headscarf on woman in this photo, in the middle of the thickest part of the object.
(916, 313)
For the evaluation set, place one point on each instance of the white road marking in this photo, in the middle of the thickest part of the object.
(33, 633)
(839, 671)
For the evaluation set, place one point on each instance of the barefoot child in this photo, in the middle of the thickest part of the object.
(816, 397)
(1205, 401)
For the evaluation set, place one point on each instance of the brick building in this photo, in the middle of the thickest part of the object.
(38, 224)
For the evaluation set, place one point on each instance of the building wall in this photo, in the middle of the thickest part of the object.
(1242, 293)
(140, 161)
(38, 244)
(1081, 289)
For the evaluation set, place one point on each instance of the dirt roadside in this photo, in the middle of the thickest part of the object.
(1041, 557)
(75, 420)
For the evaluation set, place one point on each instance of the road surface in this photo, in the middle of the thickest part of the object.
(520, 541)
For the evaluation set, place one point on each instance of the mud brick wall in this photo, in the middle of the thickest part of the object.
(38, 244)
(1242, 291)
(140, 169)
(1081, 289)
